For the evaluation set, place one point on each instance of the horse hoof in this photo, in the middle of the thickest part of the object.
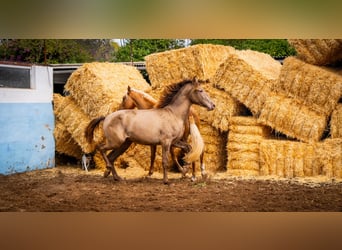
(204, 176)
(193, 178)
(106, 173)
(117, 178)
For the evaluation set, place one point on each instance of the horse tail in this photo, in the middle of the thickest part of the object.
(197, 143)
(89, 131)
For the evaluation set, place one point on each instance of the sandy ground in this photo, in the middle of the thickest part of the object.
(69, 188)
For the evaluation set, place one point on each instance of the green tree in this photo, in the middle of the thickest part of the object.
(56, 50)
(273, 47)
(137, 49)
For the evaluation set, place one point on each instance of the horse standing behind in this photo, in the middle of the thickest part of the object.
(141, 100)
(160, 126)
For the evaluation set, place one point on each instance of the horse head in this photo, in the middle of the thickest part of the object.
(198, 96)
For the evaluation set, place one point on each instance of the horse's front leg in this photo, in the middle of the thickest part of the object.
(165, 160)
(153, 157)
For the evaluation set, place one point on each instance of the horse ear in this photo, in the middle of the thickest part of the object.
(128, 89)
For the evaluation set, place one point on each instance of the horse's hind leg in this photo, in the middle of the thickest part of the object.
(202, 166)
(113, 155)
(153, 157)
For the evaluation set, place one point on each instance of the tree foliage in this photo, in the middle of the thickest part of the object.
(273, 47)
(55, 50)
(137, 49)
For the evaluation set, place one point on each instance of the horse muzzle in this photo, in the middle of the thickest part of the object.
(211, 107)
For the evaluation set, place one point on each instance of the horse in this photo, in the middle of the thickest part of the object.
(135, 98)
(159, 126)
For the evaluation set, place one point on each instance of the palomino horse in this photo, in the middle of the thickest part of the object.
(160, 126)
(141, 100)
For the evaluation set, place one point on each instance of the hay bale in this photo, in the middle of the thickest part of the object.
(288, 159)
(244, 138)
(65, 144)
(75, 122)
(98, 88)
(329, 154)
(248, 76)
(200, 61)
(298, 159)
(318, 51)
(226, 107)
(318, 88)
(292, 118)
(336, 122)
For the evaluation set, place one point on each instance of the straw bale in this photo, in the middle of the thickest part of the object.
(98, 88)
(318, 51)
(329, 154)
(317, 87)
(297, 159)
(65, 144)
(75, 121)
(226, 107)
(336, 122)
(291, 117)
(248, 76)
(200, 61)
(244, 138)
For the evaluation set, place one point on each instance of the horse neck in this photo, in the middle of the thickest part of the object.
(144, 101)
(181, 105)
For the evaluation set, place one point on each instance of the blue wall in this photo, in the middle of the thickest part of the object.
(26, 137)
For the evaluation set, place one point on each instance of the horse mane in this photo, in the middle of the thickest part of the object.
(170, 92)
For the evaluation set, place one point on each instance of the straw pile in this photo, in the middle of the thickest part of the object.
(336, 122)
(200, 61)
(318, 51)
(244, 138)
(98, 88)
(316, 87)
(297, 159)
(248, 76)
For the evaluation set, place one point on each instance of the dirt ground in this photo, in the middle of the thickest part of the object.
(69, 188)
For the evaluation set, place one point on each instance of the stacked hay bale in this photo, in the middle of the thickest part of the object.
(336, 122)
(248, 76)
(96, 89)
(244, 137)
(318, 51)
(200, 62)
(302, 100)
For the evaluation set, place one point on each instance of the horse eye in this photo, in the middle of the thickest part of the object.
(200, 90)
